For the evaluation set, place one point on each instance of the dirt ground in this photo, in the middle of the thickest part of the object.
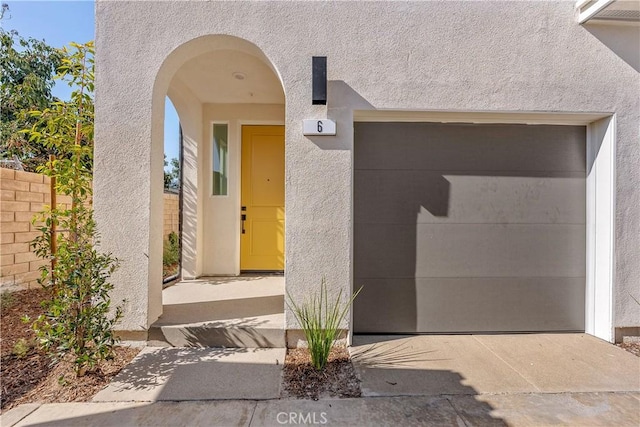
(632, 347)
(337, 379)
(28, 374)
(169, 270)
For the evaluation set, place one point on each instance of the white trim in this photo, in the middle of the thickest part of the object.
(601, 189)
(591, 8)
(601, 186)
(479, 117)
(212, 123)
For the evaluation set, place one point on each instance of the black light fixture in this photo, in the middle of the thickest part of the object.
(319, 68)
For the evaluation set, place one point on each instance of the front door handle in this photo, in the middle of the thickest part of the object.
(243, 218)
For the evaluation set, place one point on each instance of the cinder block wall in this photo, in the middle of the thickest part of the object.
(171, 214)
(22, 195)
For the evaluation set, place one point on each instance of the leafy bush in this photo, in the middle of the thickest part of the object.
(171, 250)
(320, 319)
(78, 321)
(28, 70)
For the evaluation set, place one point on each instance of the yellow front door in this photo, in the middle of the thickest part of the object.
(262, 238)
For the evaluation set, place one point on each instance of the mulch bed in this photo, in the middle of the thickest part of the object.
(27, 373)
(337, 379)
(14, 306)
(169, 270)
(632, 347)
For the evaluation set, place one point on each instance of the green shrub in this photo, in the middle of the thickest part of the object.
(78, 321)
(320, 319)
(171, 250)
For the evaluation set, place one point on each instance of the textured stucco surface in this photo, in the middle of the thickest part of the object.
(488, 56)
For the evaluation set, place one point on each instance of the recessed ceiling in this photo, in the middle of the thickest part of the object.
(214, 78)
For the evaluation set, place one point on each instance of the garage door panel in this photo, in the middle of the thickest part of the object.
(384, 250)
(469, 228)
(489, 250)
(397, 196)
(470, 304)
(436, 146)
(469, 250)
(400, 196)
(396, 314)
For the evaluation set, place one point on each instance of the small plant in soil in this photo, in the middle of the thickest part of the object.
(6, 299)
(21, 348)
(170, 255)
(320, 319)
(78, 321)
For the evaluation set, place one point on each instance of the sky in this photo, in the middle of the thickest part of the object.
(61, 22)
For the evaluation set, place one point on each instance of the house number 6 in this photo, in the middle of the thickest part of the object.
(318, 127)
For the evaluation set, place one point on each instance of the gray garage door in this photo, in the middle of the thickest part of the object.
(469, 228)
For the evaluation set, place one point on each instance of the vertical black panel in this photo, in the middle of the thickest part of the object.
(319, 67)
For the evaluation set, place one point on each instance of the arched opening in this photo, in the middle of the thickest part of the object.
(172, 198)
(231, 105)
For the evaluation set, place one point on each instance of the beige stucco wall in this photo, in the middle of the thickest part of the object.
(437, 55)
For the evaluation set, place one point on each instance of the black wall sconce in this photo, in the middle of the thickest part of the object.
(319, 85)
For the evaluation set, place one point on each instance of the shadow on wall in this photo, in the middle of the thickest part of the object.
(189, 226)
(342, 101)
(623, 40)
(447, 218)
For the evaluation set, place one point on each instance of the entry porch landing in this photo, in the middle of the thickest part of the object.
(243, 311)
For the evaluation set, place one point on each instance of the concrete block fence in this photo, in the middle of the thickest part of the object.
(22, 195)
(171, 213)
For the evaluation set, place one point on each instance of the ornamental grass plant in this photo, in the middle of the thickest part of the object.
(320, 319)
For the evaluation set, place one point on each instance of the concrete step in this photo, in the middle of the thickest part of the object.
(266, 331)
(246, 311)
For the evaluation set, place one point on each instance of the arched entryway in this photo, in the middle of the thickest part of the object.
(231, 106)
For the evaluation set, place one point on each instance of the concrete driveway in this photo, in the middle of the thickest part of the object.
(476, 364)
(527, 379)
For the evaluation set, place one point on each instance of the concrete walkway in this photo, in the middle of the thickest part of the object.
(541, 409)
(518, 380)
(174, 374)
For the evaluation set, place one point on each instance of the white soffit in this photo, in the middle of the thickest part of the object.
(619, 11)
(478, 117)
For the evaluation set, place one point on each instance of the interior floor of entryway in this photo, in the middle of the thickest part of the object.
(243, 311)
